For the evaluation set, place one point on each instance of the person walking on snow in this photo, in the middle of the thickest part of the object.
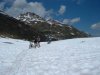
(38, 41)
(30, 45)
(35, 42)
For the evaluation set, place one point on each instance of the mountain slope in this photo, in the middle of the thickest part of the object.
(14, 28)
(54, 28)
(29, 25)
(65, 57)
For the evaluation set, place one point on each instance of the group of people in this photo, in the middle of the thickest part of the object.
(36, 42)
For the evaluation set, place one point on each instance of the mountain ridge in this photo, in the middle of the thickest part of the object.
(29, 25)
(52, 25)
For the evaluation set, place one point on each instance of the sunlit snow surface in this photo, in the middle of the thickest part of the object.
(66, 57)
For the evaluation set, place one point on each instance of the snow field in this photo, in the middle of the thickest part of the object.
(65, 57)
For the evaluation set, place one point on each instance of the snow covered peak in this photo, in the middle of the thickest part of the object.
(51, 21)
(30, 18)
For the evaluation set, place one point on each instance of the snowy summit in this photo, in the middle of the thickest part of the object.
(30, 18)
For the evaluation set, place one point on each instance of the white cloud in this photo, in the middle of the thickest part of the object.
(38, 8)
(96, 26)
(79, 1)
(16, 8)
(2, 4)
(71, 21)
(49, 14)
(62, 9)
(75, 20)
(8, 0)
(21, 6)
(66, 21)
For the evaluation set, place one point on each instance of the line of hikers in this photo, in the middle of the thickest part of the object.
(36, 42)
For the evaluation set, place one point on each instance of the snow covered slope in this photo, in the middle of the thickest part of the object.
(65, 57)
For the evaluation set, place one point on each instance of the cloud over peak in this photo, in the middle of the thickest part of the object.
(71, 21)
(21, 6)
(62, 9)
(2, 4)
(19, 3)
(96, 26)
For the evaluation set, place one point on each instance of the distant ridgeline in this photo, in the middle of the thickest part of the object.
(29, 25)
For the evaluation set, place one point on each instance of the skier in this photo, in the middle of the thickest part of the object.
(31, 44)
(35, 42)
(38, 41)
(49, 40)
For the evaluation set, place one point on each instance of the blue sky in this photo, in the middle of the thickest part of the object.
(82, 14)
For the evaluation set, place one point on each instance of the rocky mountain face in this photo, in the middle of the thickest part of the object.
(53, 28)
(29, 25)
(11, 27)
